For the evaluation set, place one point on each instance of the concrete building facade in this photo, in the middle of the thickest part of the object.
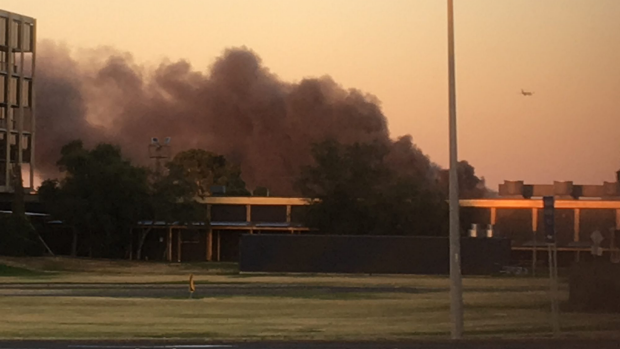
(17, 107)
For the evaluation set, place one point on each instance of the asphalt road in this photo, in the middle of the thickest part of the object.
(202, 290)
(489, 344)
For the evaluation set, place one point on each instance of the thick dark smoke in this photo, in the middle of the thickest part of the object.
(237, 108)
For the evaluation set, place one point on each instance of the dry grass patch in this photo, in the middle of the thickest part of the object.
(101, 266)
(78, 270)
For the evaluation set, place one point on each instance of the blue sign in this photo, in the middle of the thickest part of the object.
(549, 218)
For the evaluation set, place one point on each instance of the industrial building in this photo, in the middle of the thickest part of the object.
(230, 217)
(17, 107)
(581, 210)
(516, 214)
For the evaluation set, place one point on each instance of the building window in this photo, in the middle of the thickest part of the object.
(269, 213)
(28, 31)
(26, 141)
(2, 117)
(2, 148)
(2, 88)
(27, 119)
(26, 91)
(4, 64)
(13, 147)
(15, 34)
(26, 68)
(228, 213)
(13, 119)
(3, 31)
(14, 91)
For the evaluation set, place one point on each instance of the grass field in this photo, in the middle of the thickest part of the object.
(494, 307)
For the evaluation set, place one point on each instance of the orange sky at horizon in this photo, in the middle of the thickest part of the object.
(566, 51)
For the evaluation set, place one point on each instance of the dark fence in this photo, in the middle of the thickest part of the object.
(368, 254)
(595, 286)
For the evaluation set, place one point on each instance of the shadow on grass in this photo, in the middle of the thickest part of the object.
(6, 270)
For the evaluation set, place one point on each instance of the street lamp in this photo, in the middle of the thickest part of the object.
(456, 283)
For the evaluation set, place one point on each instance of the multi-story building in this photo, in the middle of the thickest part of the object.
(17, 108)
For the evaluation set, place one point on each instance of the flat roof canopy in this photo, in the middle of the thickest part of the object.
(253, 200)
(534, 203)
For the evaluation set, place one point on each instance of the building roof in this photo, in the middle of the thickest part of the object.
(253, 200)
(534, 203)
(27, 19)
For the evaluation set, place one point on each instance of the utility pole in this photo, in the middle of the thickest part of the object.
(158, 152)
(456, 282)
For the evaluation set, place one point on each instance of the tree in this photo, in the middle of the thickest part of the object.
(358, 192)
(189, 175)
(17, 235)
(60, 207)
(101, 197)
(171, 200)
(18, 206)
(207, 169)
(470, 185)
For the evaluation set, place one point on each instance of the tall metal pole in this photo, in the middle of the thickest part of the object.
(456, 284)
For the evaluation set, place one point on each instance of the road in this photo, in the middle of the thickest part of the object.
(202, 290)
(488, 344)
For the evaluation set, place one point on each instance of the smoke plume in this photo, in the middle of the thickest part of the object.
(237, 108)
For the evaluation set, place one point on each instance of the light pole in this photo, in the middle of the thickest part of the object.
(456, 283)
(158, 152)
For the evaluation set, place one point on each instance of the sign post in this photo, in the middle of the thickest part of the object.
(597, 238)
(549, 219)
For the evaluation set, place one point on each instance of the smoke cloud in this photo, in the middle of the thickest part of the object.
(237, 108)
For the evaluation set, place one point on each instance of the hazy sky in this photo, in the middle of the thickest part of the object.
(566, 51)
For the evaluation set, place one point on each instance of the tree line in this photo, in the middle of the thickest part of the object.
(101, 197)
